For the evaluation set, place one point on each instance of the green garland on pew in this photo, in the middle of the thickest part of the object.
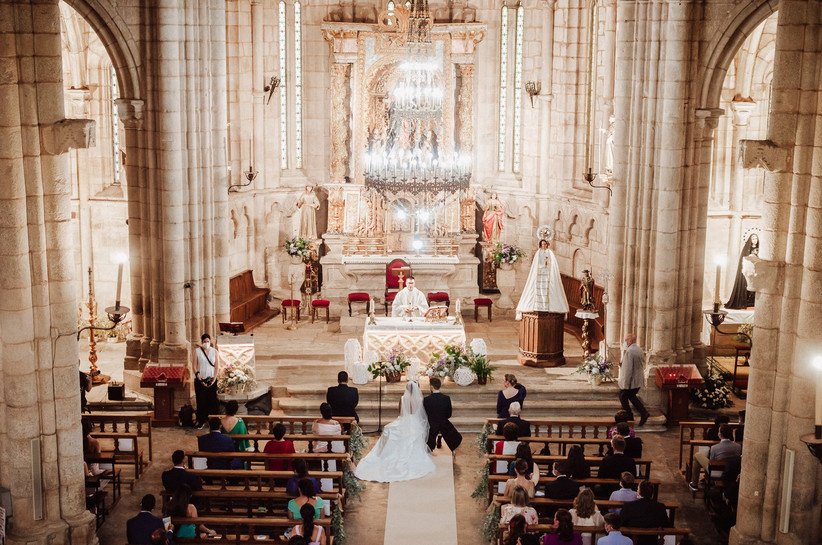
(338, 525)
(481, 442)
(490, 526)
(357, 442)
(481, 492)
(352, 486)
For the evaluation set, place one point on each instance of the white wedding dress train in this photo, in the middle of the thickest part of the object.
(401, 453)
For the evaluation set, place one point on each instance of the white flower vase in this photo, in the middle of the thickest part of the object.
(506, 282)
(296, 259)
(464, 376)
(506, 266)
(595, 380)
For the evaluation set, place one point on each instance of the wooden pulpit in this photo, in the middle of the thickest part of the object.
(541, 339)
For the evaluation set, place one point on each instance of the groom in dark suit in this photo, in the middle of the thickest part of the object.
(438, 408)
(343, 399)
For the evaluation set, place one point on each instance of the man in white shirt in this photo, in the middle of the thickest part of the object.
(205, 379)
(409, 301)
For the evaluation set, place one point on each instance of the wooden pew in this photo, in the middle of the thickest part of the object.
(257, 480)
(263, 424)
(590, 534)
(546, 463)
(309, 438)
(245, 297)
(690, 438)
(121, 452)
(494, 481)
(242, 530)
(561, 442)
(603, 505)
(128, 422)
(258, 459)
(565, 427)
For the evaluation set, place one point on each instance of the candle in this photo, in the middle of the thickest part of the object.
(817, 363)
(250, 152)
(718, 260)
(119, 285)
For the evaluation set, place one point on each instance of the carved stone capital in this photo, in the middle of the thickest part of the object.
(765, 154)
(547, 4)
(742, 112)
(130, 112)
(762, 276)
(68, 134)
(79, 99)
(708, 117)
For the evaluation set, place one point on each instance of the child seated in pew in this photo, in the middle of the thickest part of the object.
(278, 445)
(585, 511)
(578, 467)
(620, 416)
(307, 528)
(625, 493)
(300, 472)
(524, 453)
(180, 506)
(565, 534)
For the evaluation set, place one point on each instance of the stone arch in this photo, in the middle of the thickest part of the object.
(118, 40)
(579, 262)
(748, 17)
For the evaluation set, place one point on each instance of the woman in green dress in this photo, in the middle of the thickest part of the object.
(234, 425)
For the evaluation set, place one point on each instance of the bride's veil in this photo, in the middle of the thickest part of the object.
(412, 404)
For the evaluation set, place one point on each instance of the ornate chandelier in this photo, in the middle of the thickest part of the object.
(407, 156)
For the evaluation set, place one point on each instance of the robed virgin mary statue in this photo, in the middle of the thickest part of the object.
(543, 289)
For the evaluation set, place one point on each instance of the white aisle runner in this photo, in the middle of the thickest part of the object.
(423, 511)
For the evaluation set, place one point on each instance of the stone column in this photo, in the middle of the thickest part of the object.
(465, 112)
(786, 275)
(130, 112)
(40, 444)
(340, 114)
(170, 139)
(546, 96)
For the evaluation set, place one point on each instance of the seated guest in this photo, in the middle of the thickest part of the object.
(645, 513)
(234, 425)
(585, 511)
(633, 445)
(517, 528)
(180, 506)
(327, 426)
(621, 416)
(91, 449)
(625, 493)
(565, 533)
(278, 445)
(613, 522)
(343, 399)
(611, 467)
(307, 528)
(300, 472)
(524, 452)
(139, 528)
(740, 429)
(161, 536)
(214, 441)
(725, 450)
(520, 499)
(178, 475)
(562, 487)
(508, 446)
(523, 425)
(511, 392)
(308, 496)
(712, 434)
(521, 470)
(578, 467)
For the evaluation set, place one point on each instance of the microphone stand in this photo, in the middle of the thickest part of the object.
(378, 431)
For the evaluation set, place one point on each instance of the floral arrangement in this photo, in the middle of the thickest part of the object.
(597, 365)
(338, 525)
(297, 246)
(452, 357)
(482, 368)
(352, 485)
(507, 253)
(714, 395)
(356, 443)
(394, 363)
(480, 493)
(744, 329)
(490, 526)
(235, 375)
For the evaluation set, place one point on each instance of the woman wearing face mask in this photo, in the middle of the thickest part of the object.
(205, 365)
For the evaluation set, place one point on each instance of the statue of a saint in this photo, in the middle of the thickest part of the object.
(308, 203)
(543, 289)
(609, 146)
(740, 296)
(586, 292)
(492, 219)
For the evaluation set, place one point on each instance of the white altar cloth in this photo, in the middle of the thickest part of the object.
(417, 338)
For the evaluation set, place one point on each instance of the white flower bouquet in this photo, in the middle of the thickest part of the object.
(236, 375)
(596, 365)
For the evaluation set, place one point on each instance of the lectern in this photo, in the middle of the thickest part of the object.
(165, 380)
(540, 339)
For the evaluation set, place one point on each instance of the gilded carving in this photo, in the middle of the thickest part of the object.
(336, 206)
(466, 100)
(339, 121)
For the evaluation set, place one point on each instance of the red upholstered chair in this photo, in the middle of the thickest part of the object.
(392, 283)
(482, 302)
(318, 304)
(359, 297)
(291, 304)
(439, 297)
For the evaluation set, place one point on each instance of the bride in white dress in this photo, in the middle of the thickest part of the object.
(401, 454)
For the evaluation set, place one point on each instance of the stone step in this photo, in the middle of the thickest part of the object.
(656, 423)
(484, 409)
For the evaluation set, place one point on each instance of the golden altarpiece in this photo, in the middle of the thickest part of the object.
(434, 231)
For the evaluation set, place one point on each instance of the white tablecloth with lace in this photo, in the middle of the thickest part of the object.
(415, 338)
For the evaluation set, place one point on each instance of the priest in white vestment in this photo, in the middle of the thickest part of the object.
(409, 301)
(543, 290)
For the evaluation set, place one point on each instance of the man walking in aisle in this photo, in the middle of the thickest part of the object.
(632, 378)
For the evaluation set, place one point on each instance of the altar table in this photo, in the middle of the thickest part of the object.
(416, 338)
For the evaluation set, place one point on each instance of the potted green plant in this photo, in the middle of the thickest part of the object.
(481, 368)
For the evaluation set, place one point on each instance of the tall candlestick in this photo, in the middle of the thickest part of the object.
(716, 289)
(817, 364)
(250, 152)
(119, 285)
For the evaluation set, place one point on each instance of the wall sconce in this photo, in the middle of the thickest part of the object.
(249, 175)
(273, 83)
(590, 177)
(533, 88)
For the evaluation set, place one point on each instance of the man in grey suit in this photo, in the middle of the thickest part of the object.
(726, 450)
(632, 378)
